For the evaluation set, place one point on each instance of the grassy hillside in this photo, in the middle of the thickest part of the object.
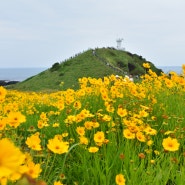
(95, 63)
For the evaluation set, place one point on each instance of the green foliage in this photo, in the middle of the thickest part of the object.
(91, 63)
(55, 67)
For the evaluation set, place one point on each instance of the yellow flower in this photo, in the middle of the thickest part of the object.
(95, 124)
(169, 83)
(140, 136)
(43, 116)
(2, 124)
(80, 131)
(58, 183)
(57, 146)
(56, 125)
(143, 113)
(150, 131)
(106, 118)
(77, 105)
(146, 65)
(83, 140)
(156, 152)
(65, 134)
(122, 112)
(15, 119)
(34, 170)
(3, 93)
(170, 144)
(127, 134)
(88, 125)
(120, 179)
(11, 158)
(33, 142)
(99, 137)
(149, 143)
(152, 161)
(93, 149)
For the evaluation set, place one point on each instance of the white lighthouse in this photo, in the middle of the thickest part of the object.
(119, 41)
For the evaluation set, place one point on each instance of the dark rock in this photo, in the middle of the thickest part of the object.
(7, 82)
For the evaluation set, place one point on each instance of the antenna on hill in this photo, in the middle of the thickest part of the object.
(119, 41)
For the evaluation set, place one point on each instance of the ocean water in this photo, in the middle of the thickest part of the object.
(18, 74)
(167, 69)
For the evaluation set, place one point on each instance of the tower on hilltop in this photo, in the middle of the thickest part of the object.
(119, 41)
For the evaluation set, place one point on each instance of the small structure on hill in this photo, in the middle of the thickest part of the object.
(119, 41)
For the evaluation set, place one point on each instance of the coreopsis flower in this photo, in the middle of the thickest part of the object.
(150, 131)
(57, 146)
(60, 105)
(105, 96)
(34, 170)
(3, 181)
(33, 142)
(146, 65)
(128, 134)
(122, 112)
(93, 149)
(3, 93)
(58, 183)
(120, 179)
(88, 125)
(140, 136)
(11, 158)
(106, 117)
(152, 161)
(170, 144)
(99, 137)
(110, 108)
(95, 124)
(143, 113)
(84, 140)
(77, 105)
(65, 134)
(43, 116)
(80, 131)
(156, 152)
(2, 124)
(15, 119)
(55, 125)
(70, 119)
(69, 99)
(40, 124)
(169, 83)
(150, 142)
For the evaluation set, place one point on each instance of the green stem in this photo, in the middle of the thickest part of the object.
(67, 154)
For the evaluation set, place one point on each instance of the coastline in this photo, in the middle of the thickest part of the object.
(7, 82)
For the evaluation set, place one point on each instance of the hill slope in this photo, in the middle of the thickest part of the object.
(95, 63)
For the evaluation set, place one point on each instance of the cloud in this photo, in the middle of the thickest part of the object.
(61, 28)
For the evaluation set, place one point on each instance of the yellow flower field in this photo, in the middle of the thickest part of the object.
(109, 131)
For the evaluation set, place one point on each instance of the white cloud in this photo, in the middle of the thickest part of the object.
(61, 28)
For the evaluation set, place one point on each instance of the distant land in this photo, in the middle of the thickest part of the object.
(95, 63)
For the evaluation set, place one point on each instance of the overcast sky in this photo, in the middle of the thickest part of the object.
(38, 33)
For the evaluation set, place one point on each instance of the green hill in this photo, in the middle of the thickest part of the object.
(95, 63)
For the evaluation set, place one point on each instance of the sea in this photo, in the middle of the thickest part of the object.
(21, 74)
(167, 69)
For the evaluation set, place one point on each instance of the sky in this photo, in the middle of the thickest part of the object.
(39, 33)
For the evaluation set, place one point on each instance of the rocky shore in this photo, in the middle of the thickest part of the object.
(7, 82)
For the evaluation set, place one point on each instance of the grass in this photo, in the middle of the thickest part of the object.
(103, 130)
(102, 62)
